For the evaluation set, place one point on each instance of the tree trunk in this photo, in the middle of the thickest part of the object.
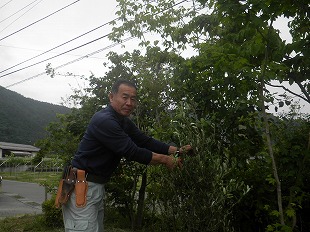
(141, 198)
(274, 167)
(267, 132)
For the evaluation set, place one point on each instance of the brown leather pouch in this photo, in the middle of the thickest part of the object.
(81, 187)
(57, 200)
(66, 187)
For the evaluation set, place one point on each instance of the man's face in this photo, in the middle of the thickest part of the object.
(125, 100)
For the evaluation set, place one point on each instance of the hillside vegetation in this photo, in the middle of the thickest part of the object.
(23, 120)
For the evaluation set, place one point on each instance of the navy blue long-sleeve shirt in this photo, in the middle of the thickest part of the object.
(108, 138)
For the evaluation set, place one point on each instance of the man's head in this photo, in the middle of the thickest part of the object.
(123, 97)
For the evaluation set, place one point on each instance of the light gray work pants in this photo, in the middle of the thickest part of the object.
(88, 218)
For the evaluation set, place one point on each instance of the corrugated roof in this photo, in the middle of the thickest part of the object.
(18, 147)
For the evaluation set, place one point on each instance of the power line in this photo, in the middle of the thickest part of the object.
(21, 15)
(55, 47)
(38, 50)
(55, 55)
(71, 62)
(23, 48)
(38, 20)
(62, 45)
(66, 43)
(17, 11)
(5, 4)
(76, 60)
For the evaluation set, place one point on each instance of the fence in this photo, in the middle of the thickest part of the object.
(17, 164)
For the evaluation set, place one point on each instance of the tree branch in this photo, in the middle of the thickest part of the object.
(303, 90)
(288, 90)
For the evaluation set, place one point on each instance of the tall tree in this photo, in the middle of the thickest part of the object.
(239, 51)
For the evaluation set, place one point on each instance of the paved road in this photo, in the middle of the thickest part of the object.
(19, 198)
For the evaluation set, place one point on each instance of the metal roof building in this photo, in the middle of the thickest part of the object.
(17, 149)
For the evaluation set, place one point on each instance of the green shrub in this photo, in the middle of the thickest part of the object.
(52, 216)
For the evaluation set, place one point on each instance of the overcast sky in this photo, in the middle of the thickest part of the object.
(63, 26)
(26, 33)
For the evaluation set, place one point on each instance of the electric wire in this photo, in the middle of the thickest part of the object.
(56, 47)
(39, 20)
(60, 46)
(5, 4)
(70, 62)
(70, 50)
(83, 57)
(21, 15)
(38, 50)
(17, 11)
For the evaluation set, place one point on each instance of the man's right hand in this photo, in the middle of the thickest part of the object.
(173, 162)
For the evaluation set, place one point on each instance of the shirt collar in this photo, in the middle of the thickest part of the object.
(120, 117)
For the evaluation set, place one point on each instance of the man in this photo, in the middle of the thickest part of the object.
(110, 136)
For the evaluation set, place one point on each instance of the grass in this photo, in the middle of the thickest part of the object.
(31, 223)
(34, 177)
(28, 222)
(25, 223)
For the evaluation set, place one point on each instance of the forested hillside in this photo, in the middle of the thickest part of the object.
(23, 120)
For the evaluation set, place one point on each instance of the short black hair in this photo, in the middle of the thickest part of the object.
(116, 85)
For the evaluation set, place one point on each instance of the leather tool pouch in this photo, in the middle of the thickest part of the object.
(66, 186)
(81, 188)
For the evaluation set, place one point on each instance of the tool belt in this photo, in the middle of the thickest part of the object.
(81, 187)
(72, 179)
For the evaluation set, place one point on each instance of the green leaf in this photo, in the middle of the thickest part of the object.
(290, 212)
(275, 213)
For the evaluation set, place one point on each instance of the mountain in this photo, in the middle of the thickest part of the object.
(23, 120)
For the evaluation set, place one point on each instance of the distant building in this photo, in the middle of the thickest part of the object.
(20, 150)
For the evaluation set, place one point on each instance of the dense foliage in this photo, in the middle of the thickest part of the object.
(250, 171)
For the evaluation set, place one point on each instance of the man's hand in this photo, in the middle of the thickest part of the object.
(184, 150)
(187, 149)
(169, 161)
(173, 162)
